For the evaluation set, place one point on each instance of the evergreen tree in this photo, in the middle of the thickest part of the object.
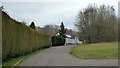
(2, 7)
(32, 25)
(62, 30)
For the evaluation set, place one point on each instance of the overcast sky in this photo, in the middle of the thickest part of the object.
(44, 12)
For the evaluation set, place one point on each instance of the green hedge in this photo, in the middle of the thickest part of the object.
(58, 40)
(19, 39)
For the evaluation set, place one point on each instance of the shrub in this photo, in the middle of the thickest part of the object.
(58, 40)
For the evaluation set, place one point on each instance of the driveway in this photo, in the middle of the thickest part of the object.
(59, 56)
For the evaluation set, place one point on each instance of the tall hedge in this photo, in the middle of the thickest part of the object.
(58, 40)
(19, 39)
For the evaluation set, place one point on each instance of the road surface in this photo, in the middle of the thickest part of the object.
(59, 56)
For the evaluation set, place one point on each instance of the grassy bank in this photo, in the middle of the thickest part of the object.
(96, 51)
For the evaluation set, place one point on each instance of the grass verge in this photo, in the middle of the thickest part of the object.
(96, 51)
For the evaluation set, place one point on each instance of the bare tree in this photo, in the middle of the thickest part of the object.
(51, 29)
(97, 24)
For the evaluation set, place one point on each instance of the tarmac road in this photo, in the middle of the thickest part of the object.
(59, 56)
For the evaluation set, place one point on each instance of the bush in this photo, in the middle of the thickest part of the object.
(58, 40)
(19, 39)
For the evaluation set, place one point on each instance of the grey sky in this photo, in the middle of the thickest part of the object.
(44, 12)
(119, 9)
